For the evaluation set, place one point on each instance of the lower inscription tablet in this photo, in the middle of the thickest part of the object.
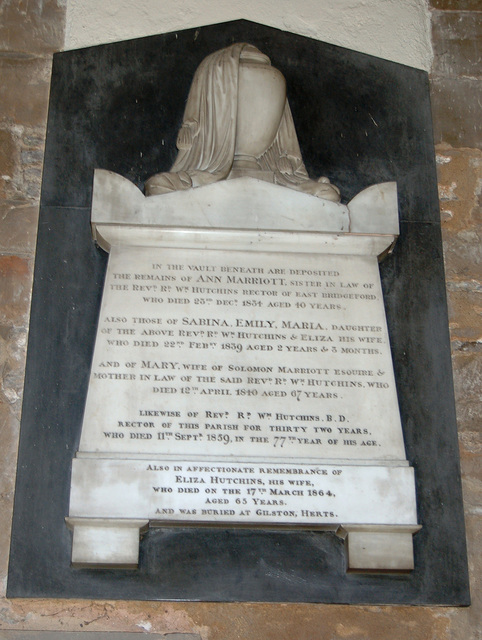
(242, 373)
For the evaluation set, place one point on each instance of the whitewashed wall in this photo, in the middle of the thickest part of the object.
(397, 30)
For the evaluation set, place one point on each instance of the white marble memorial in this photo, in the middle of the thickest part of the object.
(242, 373)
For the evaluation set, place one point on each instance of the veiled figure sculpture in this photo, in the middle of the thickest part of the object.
(238, 122)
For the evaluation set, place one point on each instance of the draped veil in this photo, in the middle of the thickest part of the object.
(207, 138)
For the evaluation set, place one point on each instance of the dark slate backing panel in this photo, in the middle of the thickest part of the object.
(360, 120)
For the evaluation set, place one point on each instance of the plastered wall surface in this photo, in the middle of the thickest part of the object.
(399, 30)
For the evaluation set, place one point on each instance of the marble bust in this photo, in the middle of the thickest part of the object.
(238, 123)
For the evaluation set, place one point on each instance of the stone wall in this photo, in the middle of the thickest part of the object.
(456, 97)
(29, 32)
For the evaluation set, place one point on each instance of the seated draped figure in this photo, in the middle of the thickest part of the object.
(238, 122)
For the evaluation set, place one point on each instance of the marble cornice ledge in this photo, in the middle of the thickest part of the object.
(244, 214)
